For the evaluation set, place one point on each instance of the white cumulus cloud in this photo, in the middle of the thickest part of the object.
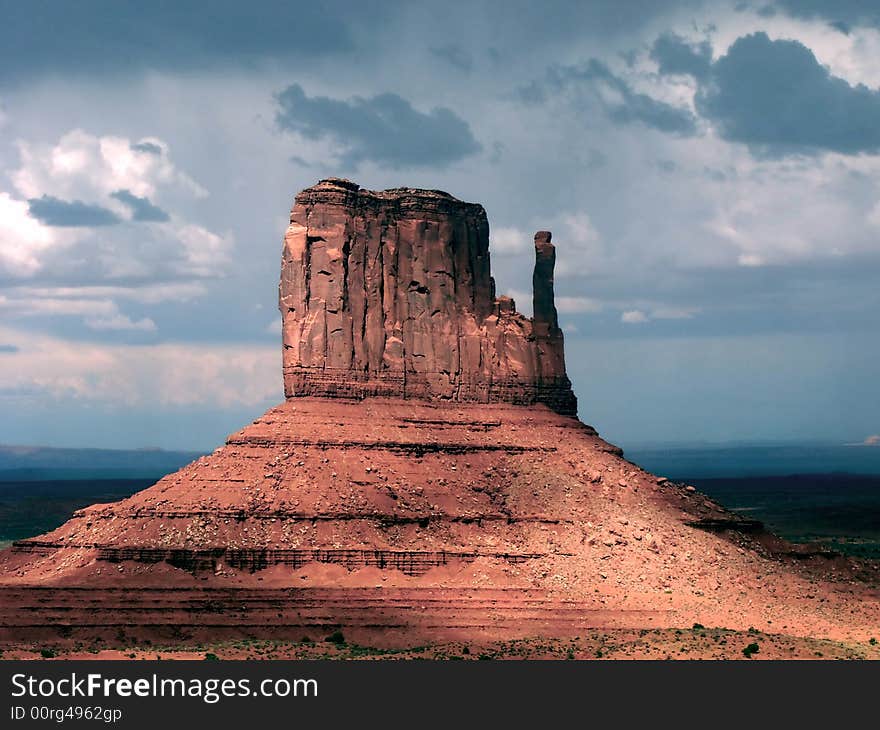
(23, 240)
(634, 316)
(506, 240)
(121, 322)
(575, 305)
(88, 167)
(137, 375)
(117, 238)
(582, 251)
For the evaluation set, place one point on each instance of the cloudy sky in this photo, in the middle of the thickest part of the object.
(710, 171)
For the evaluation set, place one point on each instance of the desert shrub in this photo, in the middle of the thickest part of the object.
(336, 638)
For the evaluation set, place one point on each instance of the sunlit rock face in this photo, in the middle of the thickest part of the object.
(390, 294)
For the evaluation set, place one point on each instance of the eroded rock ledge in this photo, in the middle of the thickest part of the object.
(390, 294)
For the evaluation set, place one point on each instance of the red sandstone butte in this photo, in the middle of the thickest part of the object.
(425, 480)
(390, 294)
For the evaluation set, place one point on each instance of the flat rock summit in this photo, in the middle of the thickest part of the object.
(425, 480)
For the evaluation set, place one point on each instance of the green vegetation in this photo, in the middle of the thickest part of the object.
(336, 638)
(716, 643)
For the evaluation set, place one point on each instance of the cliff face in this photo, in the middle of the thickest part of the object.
(390, 294)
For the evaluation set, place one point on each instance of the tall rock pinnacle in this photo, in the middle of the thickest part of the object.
(389, 293)
(544, 307)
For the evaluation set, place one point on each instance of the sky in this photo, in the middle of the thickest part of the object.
(710, 171)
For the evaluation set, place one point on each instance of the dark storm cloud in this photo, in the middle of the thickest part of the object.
(75, 213)
(110, 36)
(384, 129)
(142, 209)
(455, 55)
(777, 98)
(46, 36)
(149, 147)
(674, 55)
(562, 20)
(622, 105)
(847, 12)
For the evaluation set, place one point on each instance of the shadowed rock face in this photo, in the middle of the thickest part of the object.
(390, 294)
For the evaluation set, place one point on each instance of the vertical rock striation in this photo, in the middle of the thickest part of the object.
(389, 293)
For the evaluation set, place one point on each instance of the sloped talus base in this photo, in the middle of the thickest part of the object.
(412, 519)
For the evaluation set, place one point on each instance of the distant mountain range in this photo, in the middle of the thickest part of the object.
(674, 460)
(35, 463)
(738, 460)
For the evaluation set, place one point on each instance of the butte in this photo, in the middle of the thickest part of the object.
(426, 479)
